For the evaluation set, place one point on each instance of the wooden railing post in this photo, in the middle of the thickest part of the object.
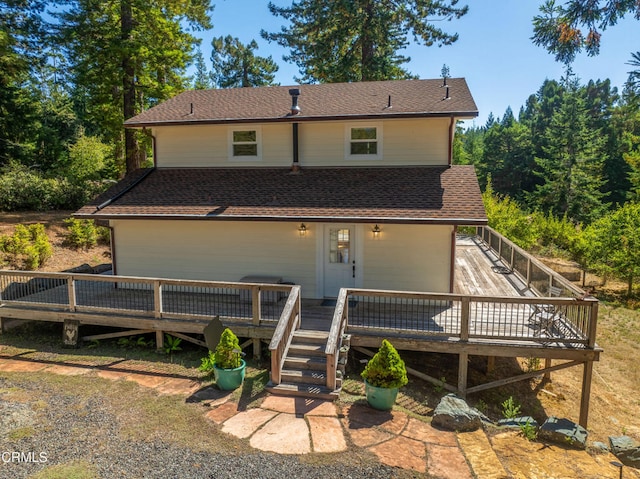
(528, 272)
(464, 318)
(71, 288)
(256, 309)
(255, 305)
(157, 299)
(593, 322)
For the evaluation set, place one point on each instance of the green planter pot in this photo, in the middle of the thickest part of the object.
(229, 379)
(380, 398)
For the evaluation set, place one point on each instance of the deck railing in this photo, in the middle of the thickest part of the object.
(287, 325)
(334, 341)
(146, 297)
(536, 275)
(467, 317)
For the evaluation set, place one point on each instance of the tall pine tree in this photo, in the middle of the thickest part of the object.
(236, 65)
(359, 40)
(128, 55)
(572, 161)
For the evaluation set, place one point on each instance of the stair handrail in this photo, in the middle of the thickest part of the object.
(334, 341)
(288, 323)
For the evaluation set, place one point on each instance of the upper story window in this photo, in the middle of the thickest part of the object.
(245, 143)
(363, 141)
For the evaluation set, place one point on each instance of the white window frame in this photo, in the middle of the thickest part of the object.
(231, 143)
(347, 141)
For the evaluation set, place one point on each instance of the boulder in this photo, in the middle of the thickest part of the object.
(565, 432)
(454, 414)
(518, 422)
(626, 449)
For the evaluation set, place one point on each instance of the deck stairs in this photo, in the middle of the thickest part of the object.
(304, 371)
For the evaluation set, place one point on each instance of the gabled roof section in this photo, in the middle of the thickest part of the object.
(408, 98)
(438, 195)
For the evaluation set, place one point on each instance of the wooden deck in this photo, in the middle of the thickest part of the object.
(497, 289)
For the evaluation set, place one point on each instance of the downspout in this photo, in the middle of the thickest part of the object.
(112, 241)
(295, 110)
(452, 267)
(296, 158)
(452, 126)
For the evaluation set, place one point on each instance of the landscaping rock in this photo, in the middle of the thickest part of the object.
(626, 449)
(518, 422)
(563, 431)
(454, 414)
(600, 447)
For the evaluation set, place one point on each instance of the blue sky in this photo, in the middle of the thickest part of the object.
(494, 52)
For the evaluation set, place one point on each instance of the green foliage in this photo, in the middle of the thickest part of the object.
(80, 233)
(358, 40)
(612, 244)
(529, 431)
(87, 157)
(133, 342)
(532, 364)
(206, 363)
(510, 409)
(561, 27)
(125, 57)
(27, 248)
(236, 65)
(228, 351)
(171, 344)
(440, 387)
(22, 188)
(506, 217)
(386, 369)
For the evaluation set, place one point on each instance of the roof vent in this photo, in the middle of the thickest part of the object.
(295, 93)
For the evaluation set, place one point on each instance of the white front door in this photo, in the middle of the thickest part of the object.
(339, 259)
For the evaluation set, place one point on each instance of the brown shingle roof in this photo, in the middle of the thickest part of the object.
(448, 195)
(409, 98)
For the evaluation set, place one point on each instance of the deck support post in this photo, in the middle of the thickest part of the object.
(2, 325)
(160, 340)
(256, 315)
(463, 368)
(547, 365)
(586, 393)
(70, 333)
(491, 364)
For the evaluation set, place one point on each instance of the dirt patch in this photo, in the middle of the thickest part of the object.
(63, 257)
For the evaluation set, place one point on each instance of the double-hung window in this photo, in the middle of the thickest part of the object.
(245, 143)
(363, 141)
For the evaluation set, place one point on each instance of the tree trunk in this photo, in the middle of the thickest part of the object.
(630, 285)
(366, 62)
(128, 86)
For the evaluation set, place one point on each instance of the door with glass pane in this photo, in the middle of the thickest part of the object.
(339, 259)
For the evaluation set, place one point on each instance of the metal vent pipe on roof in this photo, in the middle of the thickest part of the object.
(295, 93)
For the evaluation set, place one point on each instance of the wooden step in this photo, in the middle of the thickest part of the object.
(299, 363)
(303, 376)
(304, 350)
(313, 391)
(310, 337)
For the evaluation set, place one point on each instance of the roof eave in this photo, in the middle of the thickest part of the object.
(290, 219)
(462, 115)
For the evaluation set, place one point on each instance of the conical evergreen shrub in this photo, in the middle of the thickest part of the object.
(386, 369)
(228, 351)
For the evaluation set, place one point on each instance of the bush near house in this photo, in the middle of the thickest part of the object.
(27, 248)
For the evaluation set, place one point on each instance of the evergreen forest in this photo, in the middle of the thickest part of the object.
(563, 173)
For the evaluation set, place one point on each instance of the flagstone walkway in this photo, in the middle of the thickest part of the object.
(287, 425)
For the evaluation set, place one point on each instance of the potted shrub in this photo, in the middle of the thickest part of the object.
(228, 365)
(383, 375)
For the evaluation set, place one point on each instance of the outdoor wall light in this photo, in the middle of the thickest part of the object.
(302, 229)
(376, 231)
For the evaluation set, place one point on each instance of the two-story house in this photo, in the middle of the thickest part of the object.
(325, 186)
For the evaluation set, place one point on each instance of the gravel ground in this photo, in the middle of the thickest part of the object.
(72, 429)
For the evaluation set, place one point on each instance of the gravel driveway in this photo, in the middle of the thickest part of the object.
(67, 428)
